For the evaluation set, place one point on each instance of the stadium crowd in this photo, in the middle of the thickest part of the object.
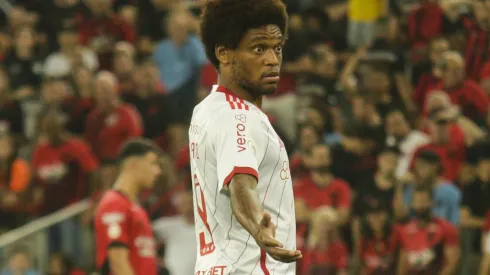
(383, 107)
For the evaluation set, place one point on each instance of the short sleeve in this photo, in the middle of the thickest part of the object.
(237, 140)
(114, 224)
(451, 235)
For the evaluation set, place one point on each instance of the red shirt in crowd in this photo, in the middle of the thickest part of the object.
(378, 256)
(336, 194)
(427, 82)
(452, 154)
(326, 262)
(121, 222)
(62, 171)
(470, 97)
(78, 110)
(476, 50)
(424, 246)
(107, 132)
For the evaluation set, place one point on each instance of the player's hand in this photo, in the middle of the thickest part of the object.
(265, 238)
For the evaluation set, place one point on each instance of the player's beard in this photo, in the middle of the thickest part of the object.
(238, 71)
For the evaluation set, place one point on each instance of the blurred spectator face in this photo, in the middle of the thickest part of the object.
(6, 147)
(178, 27)
(24, 39)
(437, 48)
(396, 125)
(100, 7)
(377, 82)
(320, 165)
(57, 265)
(484, 169)
(452, 68)
(54, 91)
(4, 81)
(184, 203)
(19, 263)
(52, 125)
(387, 162)
(67, 39)
(377, 220)
(359, 108)
(327, 63)
(83, 77)
(123, 64)
(315, 118)
(439, 129)
(105, 90)
(480, 11)
(425, 170)
(422, 204)
(438, 100)
(308, 137)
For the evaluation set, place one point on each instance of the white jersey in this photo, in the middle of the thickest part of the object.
(230, 136)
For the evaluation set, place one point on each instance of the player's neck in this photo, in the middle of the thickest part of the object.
(127, 186)
(240, 92)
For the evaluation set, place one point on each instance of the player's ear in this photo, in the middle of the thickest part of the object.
(222, 54)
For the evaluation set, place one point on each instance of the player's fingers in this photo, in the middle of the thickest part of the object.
(290, 257)
(271, 242)
(282, 253)
(266, 219)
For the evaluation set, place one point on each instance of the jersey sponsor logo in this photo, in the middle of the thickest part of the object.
(215, 270)
(113, 220)
(241, 139)
(53, 172)
(114, 231)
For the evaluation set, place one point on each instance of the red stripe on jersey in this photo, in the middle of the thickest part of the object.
(234, 100)
(263, 256)
(230, 101)
(240, 170)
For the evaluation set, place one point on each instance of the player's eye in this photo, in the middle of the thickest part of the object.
(278, 49)
(258, 49)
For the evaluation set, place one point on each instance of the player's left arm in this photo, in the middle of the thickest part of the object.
(451, 250)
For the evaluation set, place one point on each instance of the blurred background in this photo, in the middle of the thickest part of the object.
(376, 98)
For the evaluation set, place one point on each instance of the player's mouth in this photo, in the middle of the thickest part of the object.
(272, 77)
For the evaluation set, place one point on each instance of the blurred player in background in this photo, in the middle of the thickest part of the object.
(243, 195)
(124, 236)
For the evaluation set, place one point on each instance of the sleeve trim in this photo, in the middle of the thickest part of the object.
(240, 170)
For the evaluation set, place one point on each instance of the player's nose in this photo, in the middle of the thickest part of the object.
(271, 58)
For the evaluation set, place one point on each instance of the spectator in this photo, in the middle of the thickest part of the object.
(23, 65)
(177, 235)
(152, 23)
(112, 122)
(79, 105)
(62, 163)
(19, 263)
(15, 176)
(180, 59)
(427, 172)
(425, 76)
(124, 66)
(362, 22)
(11, 113)
(442, 141)
(419, 239)
(400, 134)
(61, 63)
(377, 245)
(308, 138)
(322, 188)
(463, 92)
(326, 253)
(102, 28)
(60, 264)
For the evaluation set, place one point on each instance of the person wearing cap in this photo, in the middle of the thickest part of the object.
(474, 206)
(60, 63)
(463, 91)
(427, 171)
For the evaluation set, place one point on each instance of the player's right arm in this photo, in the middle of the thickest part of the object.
(239, 139)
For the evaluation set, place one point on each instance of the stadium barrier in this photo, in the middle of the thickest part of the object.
(35, 236)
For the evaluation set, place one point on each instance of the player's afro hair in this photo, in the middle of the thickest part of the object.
(225, 22)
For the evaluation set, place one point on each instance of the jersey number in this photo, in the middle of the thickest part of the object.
(204, 248)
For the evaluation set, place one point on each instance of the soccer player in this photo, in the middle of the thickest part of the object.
(243, 195)
(124, 236)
